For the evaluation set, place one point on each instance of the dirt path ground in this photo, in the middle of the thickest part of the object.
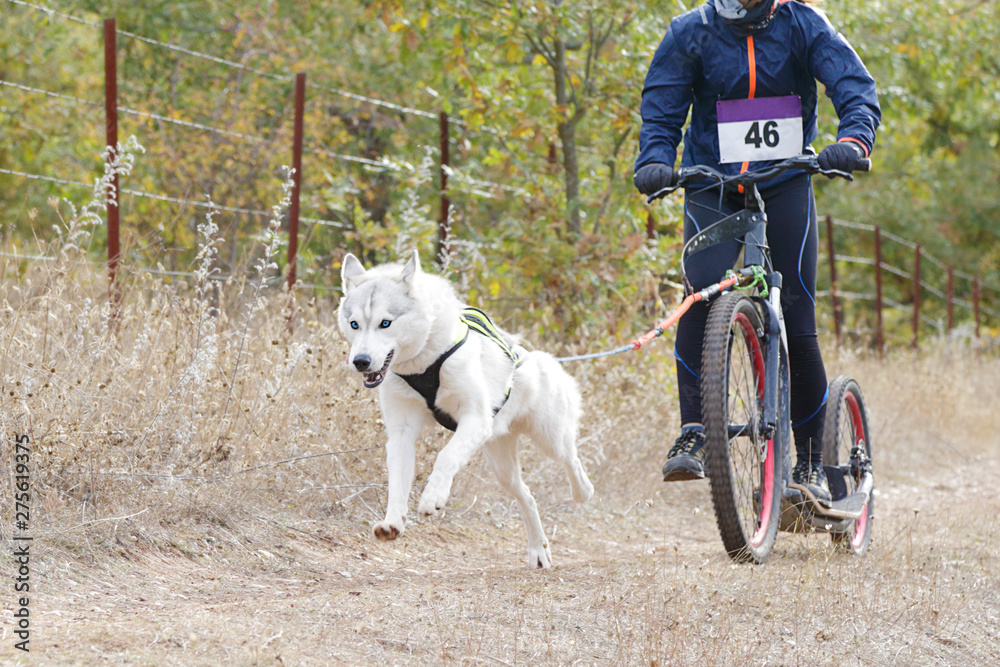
(640, 584)
(640, 577)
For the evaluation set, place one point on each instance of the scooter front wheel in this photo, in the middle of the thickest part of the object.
(743, 467)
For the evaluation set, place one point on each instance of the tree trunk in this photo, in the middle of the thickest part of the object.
(567, 135)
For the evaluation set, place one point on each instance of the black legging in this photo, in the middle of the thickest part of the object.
(793, 239)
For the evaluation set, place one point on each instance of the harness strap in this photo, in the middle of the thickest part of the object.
(481, 323)
(428, 382)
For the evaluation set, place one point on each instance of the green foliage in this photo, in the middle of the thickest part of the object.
(937, 162)
(44, 135)
(543, 99)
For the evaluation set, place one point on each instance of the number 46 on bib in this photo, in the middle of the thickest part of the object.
(762, 128)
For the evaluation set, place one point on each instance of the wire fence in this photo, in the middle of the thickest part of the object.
(279, 142)
(849, 290)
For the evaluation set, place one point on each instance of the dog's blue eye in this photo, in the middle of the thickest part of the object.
(354, 324)
(385, 324)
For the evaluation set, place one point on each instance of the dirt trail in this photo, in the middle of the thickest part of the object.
(244, 573)
(644, 582)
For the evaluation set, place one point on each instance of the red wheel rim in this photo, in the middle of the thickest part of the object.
(767, 483)
(858, 430)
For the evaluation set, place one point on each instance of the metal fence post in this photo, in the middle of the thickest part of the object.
(445, 203)
(916, 297)
(111, 127)
(293, 209)
(879, 332)
(833, 278)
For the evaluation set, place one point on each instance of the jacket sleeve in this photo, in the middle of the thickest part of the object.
(835, 64)
(666, 98)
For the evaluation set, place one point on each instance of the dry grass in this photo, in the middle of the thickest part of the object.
(203, 495)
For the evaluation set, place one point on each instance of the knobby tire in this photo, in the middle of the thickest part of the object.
(746, 477)
(846, 426)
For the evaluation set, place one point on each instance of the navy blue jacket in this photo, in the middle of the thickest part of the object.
(703, 59)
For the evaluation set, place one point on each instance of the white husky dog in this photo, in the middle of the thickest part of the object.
(432, 358)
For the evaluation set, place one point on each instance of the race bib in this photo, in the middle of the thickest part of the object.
(762, 128)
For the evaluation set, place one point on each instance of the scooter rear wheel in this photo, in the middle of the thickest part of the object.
(847, 444)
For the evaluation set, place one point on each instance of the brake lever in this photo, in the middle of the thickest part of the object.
(837, 173)
(663, 192)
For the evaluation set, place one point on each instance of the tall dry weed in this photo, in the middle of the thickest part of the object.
(199, 421)
(195, 382)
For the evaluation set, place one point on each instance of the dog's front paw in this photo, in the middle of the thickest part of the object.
(434, 497)
(539, 558)
(387, 530)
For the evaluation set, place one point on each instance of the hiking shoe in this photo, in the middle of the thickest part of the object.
(686, 459)
(813, 477)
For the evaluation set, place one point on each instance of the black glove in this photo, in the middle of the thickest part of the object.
(842, 156)
(653, 177)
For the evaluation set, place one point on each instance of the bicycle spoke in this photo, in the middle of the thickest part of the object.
(739, 430)
(744, 453)
(848, 436)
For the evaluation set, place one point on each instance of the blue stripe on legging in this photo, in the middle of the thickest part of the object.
(688, 214)
(678, 357)
(826, 395)
(802, 249)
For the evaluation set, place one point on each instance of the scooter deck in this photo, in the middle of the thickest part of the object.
(803, 513)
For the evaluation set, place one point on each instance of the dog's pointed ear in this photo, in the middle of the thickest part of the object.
(350, 272)
(411, 268)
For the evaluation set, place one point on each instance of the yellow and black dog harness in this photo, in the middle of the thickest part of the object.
(427, 383)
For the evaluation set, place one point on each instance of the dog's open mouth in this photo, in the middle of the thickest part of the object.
(373, 380)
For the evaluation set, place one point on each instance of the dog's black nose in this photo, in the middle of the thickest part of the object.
(362, 362)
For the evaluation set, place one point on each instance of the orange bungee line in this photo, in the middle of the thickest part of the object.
(688, 301)
(660, 328)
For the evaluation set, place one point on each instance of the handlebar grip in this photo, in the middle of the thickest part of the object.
(864, 164)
